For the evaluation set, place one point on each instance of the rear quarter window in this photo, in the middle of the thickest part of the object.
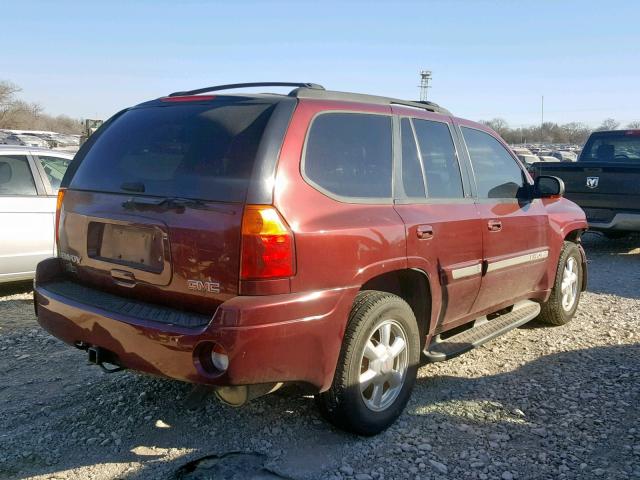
(349, 155)
(15, 176)
(202, 151)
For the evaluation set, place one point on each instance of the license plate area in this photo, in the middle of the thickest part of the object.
(134, 246)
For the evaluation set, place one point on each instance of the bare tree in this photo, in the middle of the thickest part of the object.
(634, 124)
(498, 125)
(18, 114)
(608, 124)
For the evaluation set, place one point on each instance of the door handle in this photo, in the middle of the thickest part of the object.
(425, 232)
(123, 278)
(494, 225)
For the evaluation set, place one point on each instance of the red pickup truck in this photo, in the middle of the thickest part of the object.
(330, 239)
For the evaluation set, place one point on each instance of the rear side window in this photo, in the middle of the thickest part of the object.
(496, 171)
(350, 155)
(412, 177)
(199, 151)
(54, 168)
(15, 176)
(441, 167)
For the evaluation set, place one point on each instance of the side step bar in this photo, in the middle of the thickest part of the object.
(483, 330)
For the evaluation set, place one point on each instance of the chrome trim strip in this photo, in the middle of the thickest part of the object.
(519, 260)
(466, 271)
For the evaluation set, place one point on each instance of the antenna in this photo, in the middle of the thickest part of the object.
(425, 78)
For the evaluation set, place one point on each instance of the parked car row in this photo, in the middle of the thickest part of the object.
(531, 155)
(40, 139)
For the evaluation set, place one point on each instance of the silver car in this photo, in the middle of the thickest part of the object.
(29, 182)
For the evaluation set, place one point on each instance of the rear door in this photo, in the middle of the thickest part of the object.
(435, 203)
(154, 208)
(514, 227)
(26, 217)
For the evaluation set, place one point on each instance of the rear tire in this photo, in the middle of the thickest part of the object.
(567, 288)
(377, 366)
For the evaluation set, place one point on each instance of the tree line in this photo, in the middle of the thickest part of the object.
(549, 132)
(18, 114)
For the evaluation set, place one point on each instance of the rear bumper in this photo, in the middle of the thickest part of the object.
(276, 338)
(621, 222)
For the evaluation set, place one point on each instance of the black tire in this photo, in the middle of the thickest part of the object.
(553, 312)
(343, 404)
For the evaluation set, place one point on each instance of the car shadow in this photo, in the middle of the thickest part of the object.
(15, 288)
(614, 265)
(546, 405)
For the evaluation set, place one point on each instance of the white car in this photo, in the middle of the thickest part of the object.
(29, 182)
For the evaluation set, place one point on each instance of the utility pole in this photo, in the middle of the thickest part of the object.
(542, 121)
(425, 78)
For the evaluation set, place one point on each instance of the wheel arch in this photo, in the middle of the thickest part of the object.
(575, 236)
(413, 286)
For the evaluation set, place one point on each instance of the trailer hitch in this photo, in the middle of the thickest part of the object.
(101, 356)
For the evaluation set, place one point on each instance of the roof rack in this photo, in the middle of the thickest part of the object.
(303, 92)
(231, 86)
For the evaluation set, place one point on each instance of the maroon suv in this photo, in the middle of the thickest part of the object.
(322, 238)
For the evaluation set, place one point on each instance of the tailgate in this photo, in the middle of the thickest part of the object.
(598, 185)
(185, 257)
(153, 206)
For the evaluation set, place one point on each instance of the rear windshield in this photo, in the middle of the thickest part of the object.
(612, 147)
(198, 151)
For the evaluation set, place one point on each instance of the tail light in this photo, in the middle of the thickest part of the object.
(58, 208)
(267, 244)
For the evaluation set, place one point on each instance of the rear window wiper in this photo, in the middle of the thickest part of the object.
(133, 186)
(179, 204)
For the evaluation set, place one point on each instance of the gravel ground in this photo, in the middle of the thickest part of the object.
(538, 402)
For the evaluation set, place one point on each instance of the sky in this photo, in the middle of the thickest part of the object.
(89, 59)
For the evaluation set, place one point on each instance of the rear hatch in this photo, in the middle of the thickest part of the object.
(153, 207)
(607, 174)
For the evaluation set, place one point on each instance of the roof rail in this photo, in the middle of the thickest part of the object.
(303, 92)
(232, 86)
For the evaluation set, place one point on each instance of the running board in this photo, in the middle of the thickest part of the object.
(483, 330)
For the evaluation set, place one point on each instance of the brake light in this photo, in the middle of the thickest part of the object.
(58, 208)
(267, 244)
(188, 98)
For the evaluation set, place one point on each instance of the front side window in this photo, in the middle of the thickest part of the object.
(15, 176)
(497, 173)
(438, 152)
(54, 168)
(350, 155)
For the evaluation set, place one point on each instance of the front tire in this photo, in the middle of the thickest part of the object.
(565, 295)
(377, 367)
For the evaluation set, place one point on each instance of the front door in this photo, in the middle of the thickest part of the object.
(442, 222)
(514, 227)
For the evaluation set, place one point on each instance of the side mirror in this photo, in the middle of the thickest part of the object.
(546, 186)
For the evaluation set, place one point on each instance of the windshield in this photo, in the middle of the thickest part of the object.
(197, 151)
(612, 147)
